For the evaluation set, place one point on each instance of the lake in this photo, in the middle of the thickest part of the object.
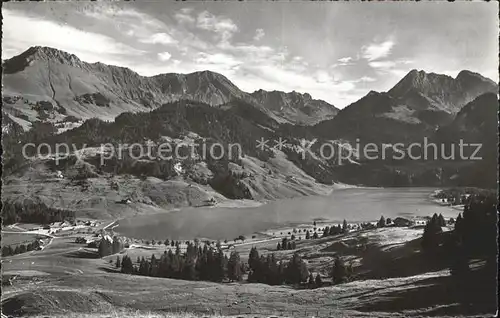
(356, 204)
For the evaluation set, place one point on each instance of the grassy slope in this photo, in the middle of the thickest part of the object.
(98, 198)
(66, 278)
(106, 292)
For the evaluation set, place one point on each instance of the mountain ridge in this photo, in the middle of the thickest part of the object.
(77, 85)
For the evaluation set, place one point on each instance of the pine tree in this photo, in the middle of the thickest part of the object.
(332, 230)
(344, 227)
(284, 243)
(308, 235)
(234, 267)
(441, 220)
(5, 251)
(117, 245)
(318, 281)
(381, 222)
(311, 280)
(296, 271)
(339, 272)
(127, 266)
(253, 259)
(105, 247)
(431, 231)
(326, 232)
(118, 262)
(278, 247)
(153, 266)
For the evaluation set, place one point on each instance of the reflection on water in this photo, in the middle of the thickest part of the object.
(227, 223)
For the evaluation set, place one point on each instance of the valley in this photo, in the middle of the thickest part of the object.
(388, 263)
(97, 222)
(353, 205)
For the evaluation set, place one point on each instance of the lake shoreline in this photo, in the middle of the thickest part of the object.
(354, 204)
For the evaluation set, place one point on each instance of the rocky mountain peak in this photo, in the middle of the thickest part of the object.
(422, 82)
(421, 90)
(39, 53)
(294, 106)
(468, 79)
(52, 54)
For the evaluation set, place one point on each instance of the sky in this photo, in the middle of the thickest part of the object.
(335, 51)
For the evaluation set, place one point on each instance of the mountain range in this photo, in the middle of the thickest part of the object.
(52, 96)
(49, 84)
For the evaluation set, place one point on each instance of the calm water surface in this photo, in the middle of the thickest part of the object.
(221, 223)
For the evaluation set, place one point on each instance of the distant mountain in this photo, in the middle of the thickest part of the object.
(45, 83)
(67, 100)
(476, 123)
(295, 107)
(415, 107)
(377, 117)
(48, 84)
(429, 91)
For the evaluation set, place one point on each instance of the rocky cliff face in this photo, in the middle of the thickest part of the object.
(295, 107)
(437, 92)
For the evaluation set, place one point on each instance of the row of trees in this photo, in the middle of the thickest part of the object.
(267, 270)
(335, 230)
(474, 237)
(432, 229)
(207, 264)
(287, 244)
(33, 212)
(108, 246)
(8, 250)
(475, 233)
(210, 264)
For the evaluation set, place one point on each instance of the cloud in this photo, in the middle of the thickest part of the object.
(159, 38)
(164, 56)
(224, 27)
(259, 34)
(382, 64)
(21, 31)
(345, 59)
(377, 51)
(250, 65)
(323, 77)
(398, 68)
(367, 79)
(184, 16)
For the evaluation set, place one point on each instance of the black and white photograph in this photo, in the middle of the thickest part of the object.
(249, 159)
